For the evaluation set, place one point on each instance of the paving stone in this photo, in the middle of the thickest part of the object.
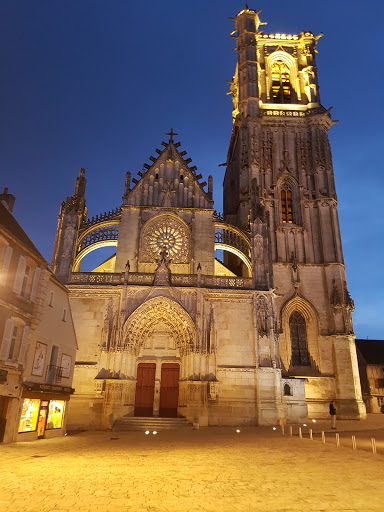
(215, 470)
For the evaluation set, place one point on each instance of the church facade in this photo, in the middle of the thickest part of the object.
(262, 337)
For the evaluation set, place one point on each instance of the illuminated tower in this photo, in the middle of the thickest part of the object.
(73, 212)
(279, 187)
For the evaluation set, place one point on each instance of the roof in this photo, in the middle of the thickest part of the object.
(371, 350)
(169, 177)
(13, 228)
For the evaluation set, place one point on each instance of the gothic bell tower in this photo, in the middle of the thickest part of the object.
(279, 187)
(73, 213)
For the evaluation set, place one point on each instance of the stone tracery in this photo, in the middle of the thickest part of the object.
(165, 233)
(145, 319)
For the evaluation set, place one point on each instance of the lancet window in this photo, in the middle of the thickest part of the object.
(281, 84)
(298, 330)
(286, 204)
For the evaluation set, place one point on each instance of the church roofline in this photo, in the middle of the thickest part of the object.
(179, 155)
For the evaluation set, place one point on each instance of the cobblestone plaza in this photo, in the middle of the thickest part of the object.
(257, 469)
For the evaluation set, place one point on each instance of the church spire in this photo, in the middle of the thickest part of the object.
(80, 183)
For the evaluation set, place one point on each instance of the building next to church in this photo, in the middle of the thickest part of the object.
(370, 355)
(37, 338)
(264, 336)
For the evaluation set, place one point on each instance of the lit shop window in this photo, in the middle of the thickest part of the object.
(55, 414)
(29, 415)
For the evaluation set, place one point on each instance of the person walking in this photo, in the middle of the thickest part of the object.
(332, 412)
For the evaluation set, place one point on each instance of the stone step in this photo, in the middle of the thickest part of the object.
(127, 423)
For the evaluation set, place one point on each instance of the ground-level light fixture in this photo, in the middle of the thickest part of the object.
(147, 432)
(238, 431)
(154, 432)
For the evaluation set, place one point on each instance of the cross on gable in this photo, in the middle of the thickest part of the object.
(171, 134)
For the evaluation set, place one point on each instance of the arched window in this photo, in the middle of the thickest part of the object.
(286, 204)
(287, 390)
(281, 85)
(298, 330)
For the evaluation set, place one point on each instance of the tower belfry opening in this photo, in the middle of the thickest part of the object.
(263, 335)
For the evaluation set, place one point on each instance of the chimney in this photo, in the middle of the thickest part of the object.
(8, 200)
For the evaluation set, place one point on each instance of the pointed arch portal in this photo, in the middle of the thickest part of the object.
(158, 370)
(159, 310)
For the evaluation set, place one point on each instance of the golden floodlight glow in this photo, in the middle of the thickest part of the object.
(154, 432)
(280, 36)
(313, 421)
(274, 428)
(238, 431)
(147, 432)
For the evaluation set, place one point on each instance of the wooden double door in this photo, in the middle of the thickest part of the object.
(169, 389)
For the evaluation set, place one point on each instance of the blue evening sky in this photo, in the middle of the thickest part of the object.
(97, 83)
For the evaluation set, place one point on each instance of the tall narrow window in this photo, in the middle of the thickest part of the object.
(12, 345)
(5, 258)
(286, 205)
(25, 282)
(300, 355)
(281, 85)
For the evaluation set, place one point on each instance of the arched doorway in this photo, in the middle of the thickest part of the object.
(159, 335)
(145, 389)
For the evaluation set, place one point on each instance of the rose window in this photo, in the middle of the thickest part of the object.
(167, 239)
(165, 233)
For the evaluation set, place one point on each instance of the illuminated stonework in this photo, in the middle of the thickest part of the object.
(145, 322)
(165, 233)
(182, 333)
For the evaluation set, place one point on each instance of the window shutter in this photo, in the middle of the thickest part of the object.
(19, 275)
(6, 262)
(23, 345)
(6, 339)
(35, 284)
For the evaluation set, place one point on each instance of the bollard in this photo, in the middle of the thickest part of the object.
(290, 431)
(373, 443)
(282, 429)
(310, 434)
(300, 433)
(323, 436)
(353, 442)
(338, 440)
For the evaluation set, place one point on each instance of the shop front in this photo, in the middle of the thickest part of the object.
(43, 411)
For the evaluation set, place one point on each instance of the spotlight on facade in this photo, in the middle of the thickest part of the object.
(154, 432)
(274, 428)
(238, 431)
(147, 432)
(313, 421)
(304, 424)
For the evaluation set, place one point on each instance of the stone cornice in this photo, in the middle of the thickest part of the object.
(163, 209)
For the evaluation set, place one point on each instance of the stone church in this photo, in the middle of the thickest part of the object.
(262, 335)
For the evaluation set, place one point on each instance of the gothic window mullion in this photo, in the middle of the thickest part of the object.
(286, 205)
(298, 331)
